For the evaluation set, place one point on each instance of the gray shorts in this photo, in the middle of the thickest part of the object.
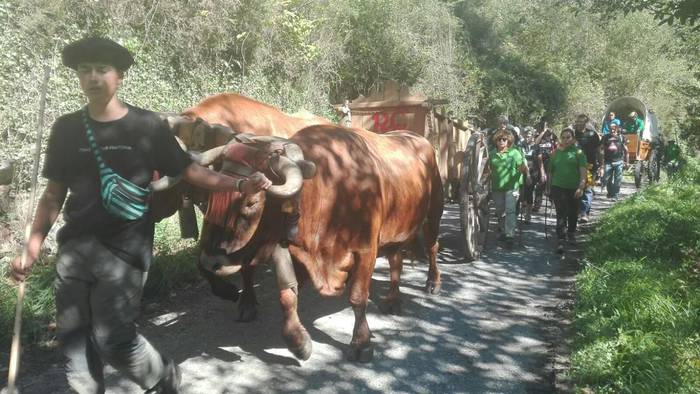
(98, 297)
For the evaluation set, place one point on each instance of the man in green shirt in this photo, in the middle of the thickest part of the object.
(634, 125)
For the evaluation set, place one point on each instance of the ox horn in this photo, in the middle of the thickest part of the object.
(165, 183)
(292, 175)
(294, 152)
(207, 158)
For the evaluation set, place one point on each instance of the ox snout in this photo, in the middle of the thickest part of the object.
(218, 264)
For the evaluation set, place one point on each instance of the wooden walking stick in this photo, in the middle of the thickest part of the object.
(15, 349)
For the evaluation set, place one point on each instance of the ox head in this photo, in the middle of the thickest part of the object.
(241, 229)
(198, 137)
(197, 134)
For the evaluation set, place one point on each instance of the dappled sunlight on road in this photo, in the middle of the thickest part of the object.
(492, 328)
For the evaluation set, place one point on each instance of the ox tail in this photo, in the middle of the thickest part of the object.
(431, 227)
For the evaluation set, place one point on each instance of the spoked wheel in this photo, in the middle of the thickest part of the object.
(473, 196)
(654, 168)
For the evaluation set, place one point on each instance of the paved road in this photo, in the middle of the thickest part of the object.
(495, 328)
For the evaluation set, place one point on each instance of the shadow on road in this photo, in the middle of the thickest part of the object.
(495, 327)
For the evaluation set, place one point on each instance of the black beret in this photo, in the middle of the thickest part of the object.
(96, 50)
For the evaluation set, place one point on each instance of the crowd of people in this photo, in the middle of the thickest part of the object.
(527, 164)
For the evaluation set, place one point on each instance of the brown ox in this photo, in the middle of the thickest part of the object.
(371, 195)
(240, 114)
(212, 123)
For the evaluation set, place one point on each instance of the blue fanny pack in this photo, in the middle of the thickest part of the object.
(120, 197)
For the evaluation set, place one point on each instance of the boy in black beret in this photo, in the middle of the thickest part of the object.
(104, 253)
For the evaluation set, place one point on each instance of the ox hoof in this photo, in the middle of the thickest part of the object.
(433, 287)
(391, 307)
(247, 307)
(303, 351)
(362, 355)
(247, 313)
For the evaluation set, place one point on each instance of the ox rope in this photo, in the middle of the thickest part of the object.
(15, 348)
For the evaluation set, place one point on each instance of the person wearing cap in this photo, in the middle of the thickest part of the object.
(103, 259)
(615, 157)
(545, 145)
(502, 123)
(634, 124)
(566, 185)
(508, 167)
(527, 195)
(589, 141)
(610, 119)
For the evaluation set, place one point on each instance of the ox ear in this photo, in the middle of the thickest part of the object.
(173, 120)
(166, 115)
(222, 134)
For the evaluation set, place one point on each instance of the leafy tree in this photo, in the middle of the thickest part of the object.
(685, 12)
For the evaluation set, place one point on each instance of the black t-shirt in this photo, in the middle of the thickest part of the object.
(134, 146)
(589, 142)
(545, 149)
(613, 147)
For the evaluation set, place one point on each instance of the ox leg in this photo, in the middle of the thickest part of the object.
(248, 305)
(431, 231)
(434, 283)
(295, 335)
(221, 286)
(392, 302)
(361, 348)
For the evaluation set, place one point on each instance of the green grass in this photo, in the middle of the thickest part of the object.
(173, 267)
(637, 313)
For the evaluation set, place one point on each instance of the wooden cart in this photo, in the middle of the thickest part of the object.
(642, 152)
(461, 151)
(394, 107)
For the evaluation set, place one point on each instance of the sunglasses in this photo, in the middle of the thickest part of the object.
(503, 139)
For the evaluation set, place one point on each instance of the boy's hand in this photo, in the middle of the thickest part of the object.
(257, 182)
(19, 273)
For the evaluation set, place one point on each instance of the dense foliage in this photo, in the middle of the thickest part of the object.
(532, 60)
(684, 12)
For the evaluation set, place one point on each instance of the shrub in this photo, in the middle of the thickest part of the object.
(638, 297)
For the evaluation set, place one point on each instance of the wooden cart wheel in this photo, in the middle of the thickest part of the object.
(473, 196)
(654, 168)
(638, 174)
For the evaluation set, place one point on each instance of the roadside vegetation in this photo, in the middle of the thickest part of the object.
(637, 310)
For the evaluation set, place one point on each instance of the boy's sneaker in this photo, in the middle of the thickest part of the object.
(170, 384)
(509, 241)
(560, 246)
(583, 218)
